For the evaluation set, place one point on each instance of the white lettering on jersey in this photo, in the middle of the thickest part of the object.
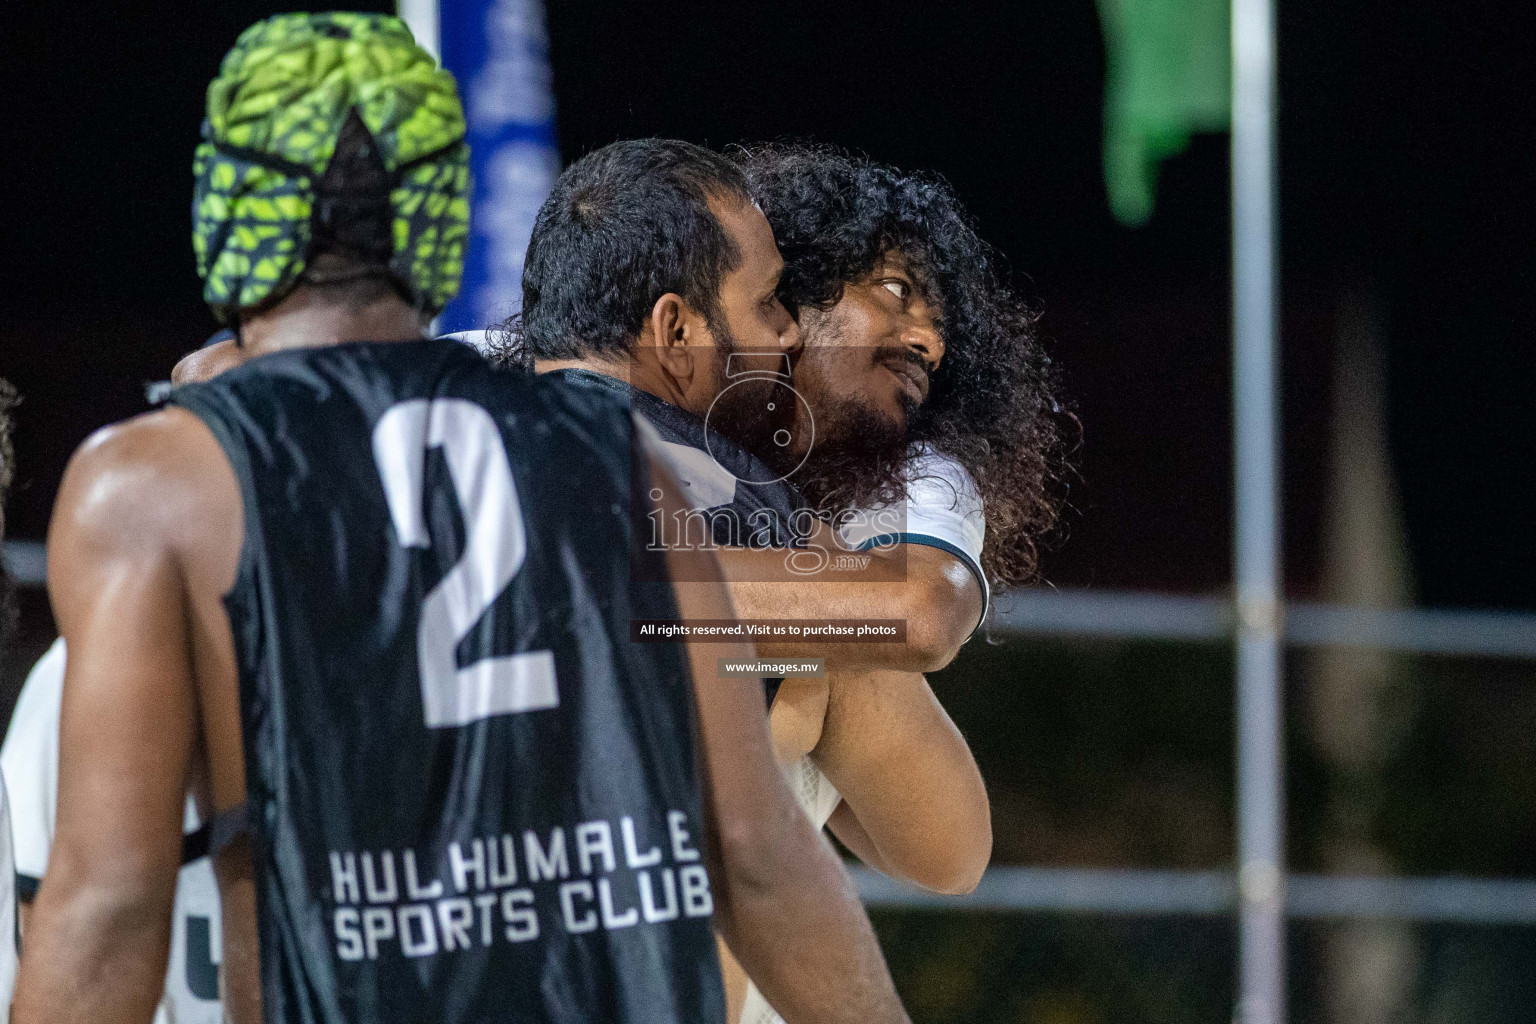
(494, 549)
(474, 901)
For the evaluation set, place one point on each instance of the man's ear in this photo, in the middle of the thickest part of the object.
(672, 326)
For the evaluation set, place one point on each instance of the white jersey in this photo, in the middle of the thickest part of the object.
(943, 510)
(7, 911)
(29, 761)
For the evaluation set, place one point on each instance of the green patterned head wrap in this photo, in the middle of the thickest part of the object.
(275, 112)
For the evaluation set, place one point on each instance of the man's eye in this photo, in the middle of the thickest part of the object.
(900, 289)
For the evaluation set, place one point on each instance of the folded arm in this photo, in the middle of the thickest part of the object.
(914, 804)
(929, 589)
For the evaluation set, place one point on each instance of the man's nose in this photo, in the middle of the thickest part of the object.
(791, 338)
(926, 343)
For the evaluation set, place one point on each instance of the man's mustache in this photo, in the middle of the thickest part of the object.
(914, 366)
(903, 359)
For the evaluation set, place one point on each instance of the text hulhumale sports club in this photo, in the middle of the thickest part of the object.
(510, 887)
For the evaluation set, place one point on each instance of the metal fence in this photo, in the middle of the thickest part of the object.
(1466, 901)
(26, 562)
(1166, 617)
(1132, 616)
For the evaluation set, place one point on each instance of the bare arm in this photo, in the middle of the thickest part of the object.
(98, 931)
(929, 589)
(783, 903)
(914, 804)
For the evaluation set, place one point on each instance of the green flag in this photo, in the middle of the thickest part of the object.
(1170, 74)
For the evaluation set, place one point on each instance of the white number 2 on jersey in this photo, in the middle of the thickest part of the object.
(494, 549)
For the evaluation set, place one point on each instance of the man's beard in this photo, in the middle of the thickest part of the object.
(749, 411)
(857, 457)
(857, 460)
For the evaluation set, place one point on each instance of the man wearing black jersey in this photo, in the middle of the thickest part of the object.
(208, 564)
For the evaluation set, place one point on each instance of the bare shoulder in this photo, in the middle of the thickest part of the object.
(137, 472)
(171, 430)
(148, 484)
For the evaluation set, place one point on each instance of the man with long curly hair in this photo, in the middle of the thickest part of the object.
(931, 393)
(991, 403)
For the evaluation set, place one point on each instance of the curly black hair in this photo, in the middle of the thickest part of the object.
(993, 403)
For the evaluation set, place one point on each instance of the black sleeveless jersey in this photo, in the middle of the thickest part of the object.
(472, 799)
(755, 514)
(762, 514)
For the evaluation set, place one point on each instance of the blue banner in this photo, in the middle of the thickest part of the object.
(499, 52)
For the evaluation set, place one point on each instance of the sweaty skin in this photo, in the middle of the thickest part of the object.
(675, 357)
(930, 590)
(914, 804)
(143, 547)
(145, 538)
(196, 366)
(777, 922)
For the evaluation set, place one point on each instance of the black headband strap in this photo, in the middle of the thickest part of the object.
(296, 170)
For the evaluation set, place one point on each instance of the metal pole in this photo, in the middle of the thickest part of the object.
(422, 17)
(1256, 541)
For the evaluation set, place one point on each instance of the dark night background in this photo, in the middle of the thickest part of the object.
(1408, 176)
(1407, 164)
